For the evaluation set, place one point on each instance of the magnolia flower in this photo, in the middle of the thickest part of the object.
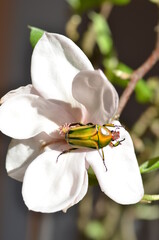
(65, 89)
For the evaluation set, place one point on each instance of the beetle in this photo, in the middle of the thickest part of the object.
(90, 136)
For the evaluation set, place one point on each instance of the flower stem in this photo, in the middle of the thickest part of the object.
(149, 198)
(138, 74)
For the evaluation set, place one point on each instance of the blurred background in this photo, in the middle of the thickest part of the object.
(117, 36)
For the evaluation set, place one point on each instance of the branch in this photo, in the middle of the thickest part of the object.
(138, 74)
(149, 198)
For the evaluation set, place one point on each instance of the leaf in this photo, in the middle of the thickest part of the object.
(35, 35)
(143, 92)
(92, 177)
(103, 33)
(119, 2)
(83, 5)
(155, 1)
(95, 230)
(75, 4)
(150, 165)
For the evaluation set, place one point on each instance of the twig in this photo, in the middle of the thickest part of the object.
(138, 74)
(147, 198)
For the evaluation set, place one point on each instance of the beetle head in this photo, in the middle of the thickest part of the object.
(115, 135)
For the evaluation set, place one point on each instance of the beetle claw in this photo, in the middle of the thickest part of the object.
(106, 169)
(117, 143)
(104, 160)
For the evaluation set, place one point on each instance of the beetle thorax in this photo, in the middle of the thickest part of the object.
(104, 136)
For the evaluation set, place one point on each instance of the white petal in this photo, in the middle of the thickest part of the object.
(82, 193)
(22, 152)
(122, 181)
(55, 62)
(51, 186)
(97, 94)
(25, 116)
(21, 90)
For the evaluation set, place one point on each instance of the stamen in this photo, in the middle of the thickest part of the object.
(63, 129)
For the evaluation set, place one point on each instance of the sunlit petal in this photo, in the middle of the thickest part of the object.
(22, 152)
(28, 89)
(51, 186)
(55, 62)
(122, 181)
(82, 193)
(25, 116)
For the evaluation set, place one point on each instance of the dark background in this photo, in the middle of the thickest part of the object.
(133, 32)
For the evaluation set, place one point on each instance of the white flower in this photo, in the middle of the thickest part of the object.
(65, 89)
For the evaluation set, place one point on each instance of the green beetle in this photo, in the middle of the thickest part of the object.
(91, 135)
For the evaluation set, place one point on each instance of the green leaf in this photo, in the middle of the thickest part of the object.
(103, 33)
(150, 165)
(143, 92)
(155, 1)
(119, 2)
(75, 4)
(92, 177)
(83, 5)
(95, 230)
(35, 35)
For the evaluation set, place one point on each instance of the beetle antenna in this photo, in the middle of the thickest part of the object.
(112, 125)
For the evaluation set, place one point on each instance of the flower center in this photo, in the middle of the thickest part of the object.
(64, 129)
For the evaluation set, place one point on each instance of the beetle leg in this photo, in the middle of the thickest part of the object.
(102, 156)
(65, 151)
(89, 123)
(75, 124)
(80, 124)
(111, 125)
(104, 160)
(117, 143)
(108, 125)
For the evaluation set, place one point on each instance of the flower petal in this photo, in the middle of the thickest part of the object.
(25, 116)
(55, 62)
(97, 94)
(21, 90)
(51, 186)
(82, 193)
(122, 181)
(22, 152)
